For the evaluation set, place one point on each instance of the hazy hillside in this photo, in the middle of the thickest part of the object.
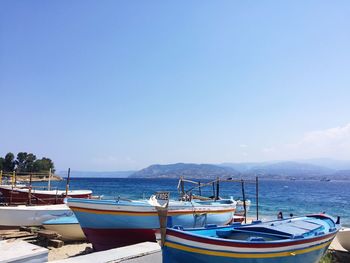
(87, 174)
(267, 170)
(329, 163)
(292, 169)
(188, 170)
(341, 175)
(285, 168)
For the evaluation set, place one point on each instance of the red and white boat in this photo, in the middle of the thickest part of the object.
(24, 194)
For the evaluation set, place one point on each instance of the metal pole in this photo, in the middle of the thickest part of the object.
(217, 188)
(244, 205)
(49, 182)
(257, 197)
(182, 188)
(199, 188)
(1, 177)
(14, 172)
(30, 189)
(67, 183)
(13, 178)
(214, 190)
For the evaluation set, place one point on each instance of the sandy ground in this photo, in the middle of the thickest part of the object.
(69, 250)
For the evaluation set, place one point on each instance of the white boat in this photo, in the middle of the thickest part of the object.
(240, 207)
(14, 250)
(343, 237)
(68, 227)
(23, 215)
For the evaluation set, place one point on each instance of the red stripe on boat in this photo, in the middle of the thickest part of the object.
(245, 245)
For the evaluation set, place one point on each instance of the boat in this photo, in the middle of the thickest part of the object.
(24, 194)
(24, 215)
(300, 239)
(242, 206)
(114, 223)
(13, 194)
(343, 237)
(68, 227)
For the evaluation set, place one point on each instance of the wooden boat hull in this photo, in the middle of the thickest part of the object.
(14, 216)
(103, 239)
(38, 197)
(182, 246)
(69, 232)
(68, 227)
(343, 237)
(108, 223)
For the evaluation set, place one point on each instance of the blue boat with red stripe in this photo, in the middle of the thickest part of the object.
(299, 239)
(114, 223)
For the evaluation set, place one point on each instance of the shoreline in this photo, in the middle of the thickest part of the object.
(35, 178)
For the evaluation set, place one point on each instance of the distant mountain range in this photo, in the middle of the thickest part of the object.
(268, 170)
(189, 170)
(314, 169)
(288, 169)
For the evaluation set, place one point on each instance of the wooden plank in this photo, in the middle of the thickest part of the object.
(17, 235)
(55, 243)
(47, 234)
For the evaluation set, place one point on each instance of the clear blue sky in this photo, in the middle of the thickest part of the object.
(116, 85)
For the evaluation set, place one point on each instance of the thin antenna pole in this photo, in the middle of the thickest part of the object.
(67, 183)
(182, 188)
(49, 182)
(13, 178)
(30, 189)
(217, 188)
(213, 190)
(244, 205)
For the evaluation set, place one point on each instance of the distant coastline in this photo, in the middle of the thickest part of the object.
(94, 174)
(26, 178)
(282, 170)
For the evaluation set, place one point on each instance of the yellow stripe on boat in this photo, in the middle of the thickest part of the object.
(245, 255)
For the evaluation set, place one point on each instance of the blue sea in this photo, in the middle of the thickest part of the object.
(297, 197)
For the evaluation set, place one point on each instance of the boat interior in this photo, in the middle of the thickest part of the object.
(292, 228)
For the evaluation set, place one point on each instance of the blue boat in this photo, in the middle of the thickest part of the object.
(300, 239)
(114, 223)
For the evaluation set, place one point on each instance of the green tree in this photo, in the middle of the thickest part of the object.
(43, 165)
(9, 162)
(2, 163)
(21, 161)
(29, 162)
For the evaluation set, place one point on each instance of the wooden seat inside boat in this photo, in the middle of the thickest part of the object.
(288, 228)
(269, 231)
(242, 235)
